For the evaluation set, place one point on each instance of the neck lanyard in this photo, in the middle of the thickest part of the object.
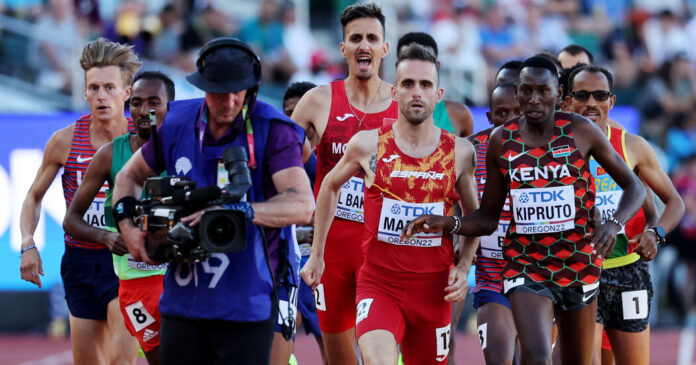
(203, 122)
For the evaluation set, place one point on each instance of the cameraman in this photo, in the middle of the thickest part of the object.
(221, 310)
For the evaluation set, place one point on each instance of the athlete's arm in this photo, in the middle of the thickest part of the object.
(129, 179)
(460, 115)
(55, 154)
(360, 155)
(312, 114)
(465, 163)
(99, 170)
(648, 169)
(592, 142)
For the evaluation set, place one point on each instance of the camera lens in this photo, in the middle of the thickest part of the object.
(223, 231)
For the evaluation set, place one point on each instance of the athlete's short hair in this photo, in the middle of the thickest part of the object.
(575, 50)
(362, 10)
(415, 51)
(541, 62)
(422, 38)
(502, 85)
(157, 75)
(512, 65)
(102, 53)
(297, 90)
(593, 69)
(559, 67)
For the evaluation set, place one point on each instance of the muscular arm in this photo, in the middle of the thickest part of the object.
(460, 115)
(294, 203)
(55, 154)
(99, 170)
(312, 113)
(361, 149)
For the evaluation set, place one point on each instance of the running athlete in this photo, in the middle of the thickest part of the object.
(405, 287)
(496, 328)
(331, 115)
(508, 72)
(140, 284)
(625, 288)
(554, 251)
(449, 115)
(303, 306)
(97, 330)
(573, 54)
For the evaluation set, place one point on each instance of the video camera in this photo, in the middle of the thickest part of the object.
(171, 198)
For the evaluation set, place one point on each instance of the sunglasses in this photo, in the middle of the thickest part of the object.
(584, 95)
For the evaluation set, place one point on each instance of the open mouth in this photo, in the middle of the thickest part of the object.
(533, 114)
(417, 106)
(102, 108)
(364, 61)
(144, 122)
(591, 114)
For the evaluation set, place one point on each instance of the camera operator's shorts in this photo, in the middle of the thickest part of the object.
(625, 293)
(485, 296)
(570, 298)
(139, 302)
(411, 306)
(335, 296)
(89, 281)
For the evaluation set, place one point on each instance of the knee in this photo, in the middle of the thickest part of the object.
(373, 356)
(498, 357)
(538, 355)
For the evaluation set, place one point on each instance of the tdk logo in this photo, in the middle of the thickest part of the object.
(542, 196)
(417, 211)
(556, 172)
(605, 199)
(338, 148)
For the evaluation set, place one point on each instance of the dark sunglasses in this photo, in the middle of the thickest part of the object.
(584, 95)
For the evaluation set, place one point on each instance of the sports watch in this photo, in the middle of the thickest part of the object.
(659, 233)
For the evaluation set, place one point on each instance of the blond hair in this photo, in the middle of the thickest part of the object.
(102, 52)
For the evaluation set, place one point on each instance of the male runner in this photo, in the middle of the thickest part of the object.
(449, 115)
(555, 255)
(331, 115)
(405, 287)
(625, 287)
(303, 306)
(140, 284)
(508, 72)
(496, 328)
(97, 330)
(574, 54)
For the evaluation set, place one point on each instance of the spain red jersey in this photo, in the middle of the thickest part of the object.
(81, 153)
(552, 194)
(405, 188)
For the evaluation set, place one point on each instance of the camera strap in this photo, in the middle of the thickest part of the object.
(287, 324)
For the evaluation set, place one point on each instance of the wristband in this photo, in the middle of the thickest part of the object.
(615, 221)
(457, 224)
(124, 208)
(243, 207)
(25, 249)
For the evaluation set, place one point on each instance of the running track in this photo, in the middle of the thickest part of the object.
(37, 350)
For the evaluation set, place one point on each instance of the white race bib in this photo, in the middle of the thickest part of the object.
(543, 210)
(607, 202)
(95, 213)
(492, 246)
(350, 200)
(139, 265)
(396, 214)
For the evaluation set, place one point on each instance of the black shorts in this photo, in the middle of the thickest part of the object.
(89, 281)
(570, 298)
(625, 293)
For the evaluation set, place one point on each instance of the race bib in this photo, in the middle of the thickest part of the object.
(543, 210)
(492, 246)
(138, 265)
(607, 202)
(95, 213)
(396, 214)
(350, 200)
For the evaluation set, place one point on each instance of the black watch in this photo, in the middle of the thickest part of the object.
(659, 233)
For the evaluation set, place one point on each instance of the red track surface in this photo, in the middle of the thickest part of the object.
(38, 350)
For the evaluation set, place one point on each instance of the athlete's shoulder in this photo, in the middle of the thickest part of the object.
(364, 142)
(319, 95)
(313, 103)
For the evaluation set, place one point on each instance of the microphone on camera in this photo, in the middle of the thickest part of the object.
(196, 196)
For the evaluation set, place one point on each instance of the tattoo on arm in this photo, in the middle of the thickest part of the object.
(373, 162)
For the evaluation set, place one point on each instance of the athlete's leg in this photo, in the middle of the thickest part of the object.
(123, 348)
(378, 347)
(89, 341)
(280, 350)
(533, 315)
(497, 333)
(630, 347)
(576, 332)
(597, 348)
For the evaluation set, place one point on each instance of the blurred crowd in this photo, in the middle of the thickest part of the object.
(649, 44)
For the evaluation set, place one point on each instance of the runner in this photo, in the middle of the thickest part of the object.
(97, 331)
(140, 284)
(625, 286)
(331, 115)
(554, 253)
(405, 287)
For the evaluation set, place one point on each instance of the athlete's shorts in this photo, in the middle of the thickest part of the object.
(483, 296)
(625, 293)
(139, 302)
(410, 306)
(335, 295)
(89, 281)
(570, 298)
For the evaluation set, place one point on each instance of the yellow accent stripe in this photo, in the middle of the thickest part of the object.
(625, 150)
(387, 192)
(621, 261)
